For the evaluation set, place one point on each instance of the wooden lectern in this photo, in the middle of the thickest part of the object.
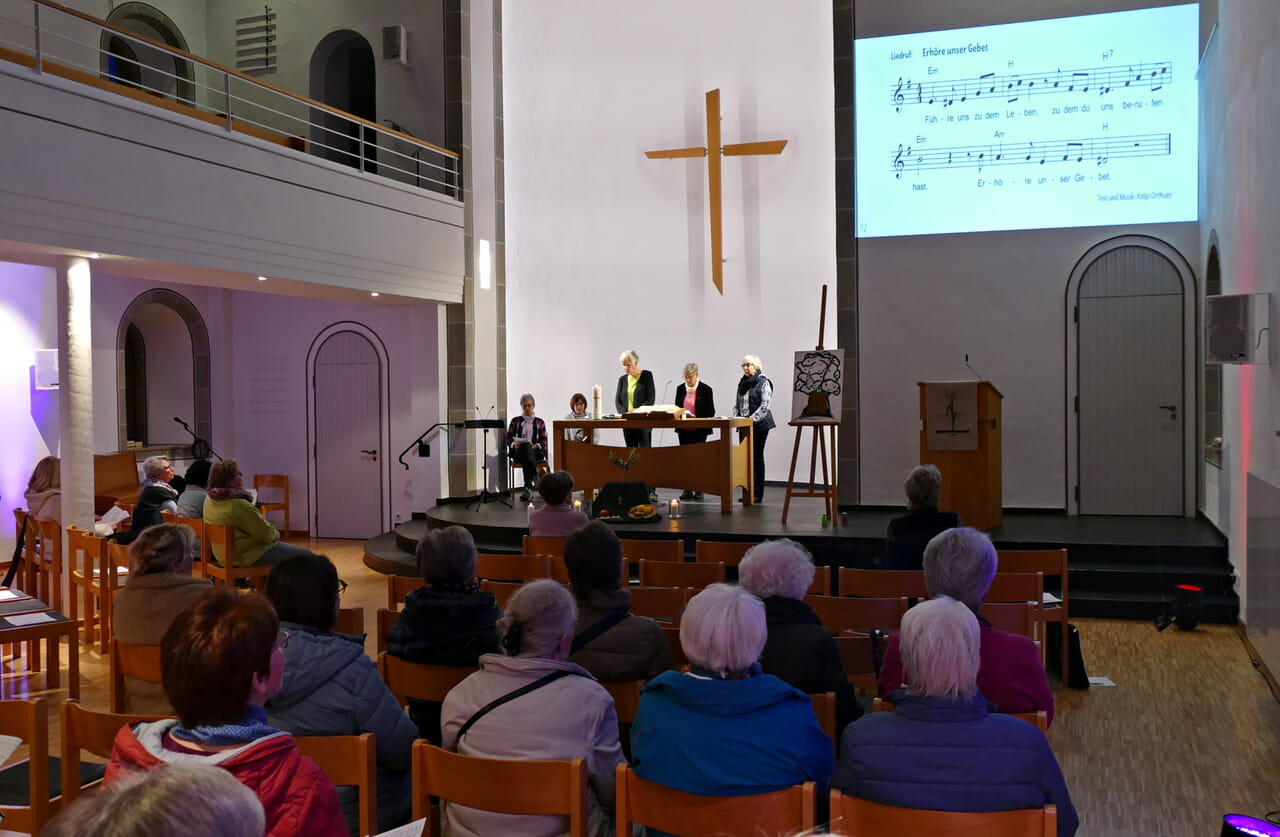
(960, 433)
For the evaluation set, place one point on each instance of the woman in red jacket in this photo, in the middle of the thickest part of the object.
(221, 661)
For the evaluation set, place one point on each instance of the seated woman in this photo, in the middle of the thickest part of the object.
(450, 622)
(568, 717)
(799, 649)
(158, 471)
(191, 500)
(960, 564)
(256, 542)
(907, 535)
(726, 728)
(607, 640)
(943, 749)
(330, 687)
(44, 492)
(578, 411)
(556, 518)
(527, 443)
(222, 660)
(160, 586)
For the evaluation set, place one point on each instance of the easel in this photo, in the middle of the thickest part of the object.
(827, 490)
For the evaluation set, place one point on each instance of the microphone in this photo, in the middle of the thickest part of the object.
(491, 409)
(180, 421)
(971, 369)
(480, 414)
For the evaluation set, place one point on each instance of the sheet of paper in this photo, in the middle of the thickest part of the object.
(1049, 598)
(119, 571)
(8, 744)
(114, 515)
(9, 595)
(413, 829)
(21, 619)
(1101, 681)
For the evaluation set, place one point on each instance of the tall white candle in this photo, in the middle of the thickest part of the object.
(596, 411)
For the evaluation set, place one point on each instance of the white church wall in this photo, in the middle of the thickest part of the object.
(608, 250)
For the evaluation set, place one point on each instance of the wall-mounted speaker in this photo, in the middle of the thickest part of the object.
(395, 44)
(1237, 328)
(46, 368)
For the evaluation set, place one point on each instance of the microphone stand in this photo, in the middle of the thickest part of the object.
(196, 442)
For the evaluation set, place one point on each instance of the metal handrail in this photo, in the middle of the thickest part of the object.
(330, 132)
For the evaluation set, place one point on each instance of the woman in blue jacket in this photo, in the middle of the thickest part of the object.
(943, 749)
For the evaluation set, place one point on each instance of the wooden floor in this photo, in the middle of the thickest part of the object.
(1190, 731)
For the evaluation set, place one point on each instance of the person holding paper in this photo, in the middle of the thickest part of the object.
(527, 443)
(635, 389)
(696, 399)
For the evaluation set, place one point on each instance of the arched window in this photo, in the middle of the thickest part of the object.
(132, 62)
(343, 75)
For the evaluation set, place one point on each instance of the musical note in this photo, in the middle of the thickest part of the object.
(1104, 79)
(897, 163)
(898, 98)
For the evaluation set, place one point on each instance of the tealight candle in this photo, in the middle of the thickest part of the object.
(674, 510)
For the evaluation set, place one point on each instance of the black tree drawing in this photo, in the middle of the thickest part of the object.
(818, 376)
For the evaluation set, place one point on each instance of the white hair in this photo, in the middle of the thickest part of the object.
(923, 487)
(779, 567)
(960, 563)
(629, 354)
(528, 396)
(941, 649)
(540, 613)
(723, 629)
(153, 465)
(691, 369)
(754, 361)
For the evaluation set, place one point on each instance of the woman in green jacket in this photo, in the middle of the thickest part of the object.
(255, 541)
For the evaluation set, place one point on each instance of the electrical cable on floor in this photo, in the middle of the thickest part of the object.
(1257, 666)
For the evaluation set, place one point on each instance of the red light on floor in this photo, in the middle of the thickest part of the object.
(1188, 587)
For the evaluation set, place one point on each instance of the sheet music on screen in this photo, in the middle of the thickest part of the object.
(1072, 122)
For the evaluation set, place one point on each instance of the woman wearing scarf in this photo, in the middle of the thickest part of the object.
(256, 542)
(755, 392)
(221, 661)
(159, 471)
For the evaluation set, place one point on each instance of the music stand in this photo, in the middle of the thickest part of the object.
(485, 495)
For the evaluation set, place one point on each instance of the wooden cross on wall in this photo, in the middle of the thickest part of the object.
(741, 149)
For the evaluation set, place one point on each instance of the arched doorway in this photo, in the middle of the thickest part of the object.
(136, 64)
(349, 474)
(162, 370)
(343, 75)
(1131, 380)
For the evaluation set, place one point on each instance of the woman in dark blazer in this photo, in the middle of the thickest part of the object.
(703, 406)
(626, 399)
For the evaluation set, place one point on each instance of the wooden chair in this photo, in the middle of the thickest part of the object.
(28, 720)
(107, 583)
(626, 698)
(518, 568)
(640, 802)
(502, 590)
(824, 706)
(386, 618)
(515, 475)
(350, 621)
(50, 563)
(821, 584)
(557, 570)
(506, 786)
(1050, 562)
(197, 526)
(1040, 720)
(141, 662)
(680, 574)
(418, 680)
(27, 578)
(348, 760)
(1013, 617)
(1020, 587)
(87, 554)
(281, 482)
(679, 661)
(531, 545)
(839, 614)
(727, 552)
(91, 732)
(666, 603)
(858, 658)
(226, 574)
(400, 586)
(879, 584)
(635, 550)
(861, 818)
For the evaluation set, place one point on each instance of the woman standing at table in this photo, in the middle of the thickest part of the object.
(755, 392)
(635, 389)
(696, 399)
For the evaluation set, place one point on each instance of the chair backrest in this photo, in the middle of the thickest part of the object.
(348, 760)
(273, 481)
(640, 802)
(350, 621)
(883, 583)
(850, 815)
(141, 662)
(519, 568)
(1016, 587)
(542, 545)
(1013, 617)
(90, 732)
(386, 618)
(858, 659)
(400, 586)
(727, 552)
(1040, 720)
(502, 590)
(51, 560)
(507, 786)
(418, 680)
(1051, 562)
(665, 603)
(117, 557)
(28, 720)
(824, 707)
(840, 614)
(680, 574)
(223, 538)
(634, 549)
(626, 698)
(557, 570)
(821, 584)
(87, 543)
(671, 634)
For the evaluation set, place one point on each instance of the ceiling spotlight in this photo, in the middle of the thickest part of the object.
(373, 293)
(262, 278)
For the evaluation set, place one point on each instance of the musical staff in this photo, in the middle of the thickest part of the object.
(1097, 151)
(1011, 88)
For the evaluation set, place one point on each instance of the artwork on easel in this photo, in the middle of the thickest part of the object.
(818, 379)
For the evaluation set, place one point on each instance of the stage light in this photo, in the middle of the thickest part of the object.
(373, 293)
(262, 278)
(1235, 825)
(1185, 609)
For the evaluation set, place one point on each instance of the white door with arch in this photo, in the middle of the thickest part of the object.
(1133, 362)
(349, 433)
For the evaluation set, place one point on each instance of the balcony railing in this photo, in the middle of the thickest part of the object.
(50, 38)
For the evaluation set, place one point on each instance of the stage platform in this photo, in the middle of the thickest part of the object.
(1121, 567)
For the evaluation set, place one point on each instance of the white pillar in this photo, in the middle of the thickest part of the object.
(75, 391)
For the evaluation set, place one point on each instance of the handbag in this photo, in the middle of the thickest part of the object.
(16, 561)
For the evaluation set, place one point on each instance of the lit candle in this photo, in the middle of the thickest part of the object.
(596, 411)
(529, 511)
(675, 510)
(577, 505)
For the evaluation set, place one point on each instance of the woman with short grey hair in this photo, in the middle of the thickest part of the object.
(905, 539)
(695, 399)
(942, 718)
(635, 389)
(158, 471)
(726, 728)
(561, 713)
(923, 487)
(960, 564)
(799, 649)
(755, 395)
